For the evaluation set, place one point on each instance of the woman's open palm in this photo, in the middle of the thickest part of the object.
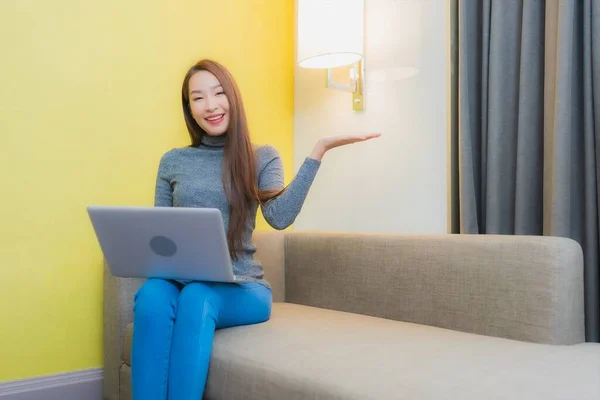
(327, 143)
(342, 140)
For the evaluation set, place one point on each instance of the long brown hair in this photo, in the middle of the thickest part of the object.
(239, 163)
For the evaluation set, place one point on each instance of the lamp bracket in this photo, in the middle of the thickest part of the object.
(356, 86)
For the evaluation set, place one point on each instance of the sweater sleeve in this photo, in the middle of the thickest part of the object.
(282, 211)
(163, 193)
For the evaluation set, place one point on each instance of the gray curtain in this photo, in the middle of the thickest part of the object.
(526, 124)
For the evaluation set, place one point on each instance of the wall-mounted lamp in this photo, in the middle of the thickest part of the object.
(331, 35)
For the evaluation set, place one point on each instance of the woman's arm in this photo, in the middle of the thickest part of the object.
(163, 193)
(282, 211)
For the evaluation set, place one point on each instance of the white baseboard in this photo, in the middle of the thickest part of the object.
(76, 385)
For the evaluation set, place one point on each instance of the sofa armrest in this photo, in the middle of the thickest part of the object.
(526, 288)
(118, 313)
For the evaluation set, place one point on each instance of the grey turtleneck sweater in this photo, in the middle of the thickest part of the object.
(192, 177)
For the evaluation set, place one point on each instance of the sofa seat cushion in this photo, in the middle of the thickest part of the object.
(310, 353)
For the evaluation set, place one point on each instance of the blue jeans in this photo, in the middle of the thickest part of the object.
(174, 326)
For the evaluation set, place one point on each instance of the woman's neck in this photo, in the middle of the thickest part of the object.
(213, 141)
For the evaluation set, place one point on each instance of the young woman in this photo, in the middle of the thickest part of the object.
(174, 322)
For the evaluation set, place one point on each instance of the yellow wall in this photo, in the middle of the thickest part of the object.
(89, 101)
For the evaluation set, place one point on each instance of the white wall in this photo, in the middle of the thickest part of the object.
(396, 183)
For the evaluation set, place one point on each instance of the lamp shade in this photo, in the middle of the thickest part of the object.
(330, 32)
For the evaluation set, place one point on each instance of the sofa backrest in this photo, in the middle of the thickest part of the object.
(270, 251)
(518, 287)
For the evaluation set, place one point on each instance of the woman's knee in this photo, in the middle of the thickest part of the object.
(197, 300)
(155, 297)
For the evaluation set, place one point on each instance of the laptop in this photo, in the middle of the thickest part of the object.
(176, 243)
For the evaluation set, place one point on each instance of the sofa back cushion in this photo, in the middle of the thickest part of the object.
(270, 252)
(518, 287)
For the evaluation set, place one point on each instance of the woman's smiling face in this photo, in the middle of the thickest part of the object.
(208, 103)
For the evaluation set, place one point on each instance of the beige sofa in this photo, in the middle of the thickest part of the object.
(380, 316)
